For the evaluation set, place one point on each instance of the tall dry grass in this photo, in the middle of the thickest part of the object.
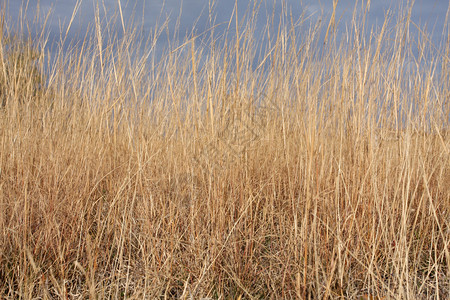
(305, 163)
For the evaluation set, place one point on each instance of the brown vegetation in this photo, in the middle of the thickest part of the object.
(198, 175)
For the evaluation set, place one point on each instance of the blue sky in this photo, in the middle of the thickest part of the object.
(430, 12)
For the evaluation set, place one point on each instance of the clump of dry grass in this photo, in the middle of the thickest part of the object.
(318, 174)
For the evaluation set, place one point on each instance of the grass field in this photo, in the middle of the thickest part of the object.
(298, 164)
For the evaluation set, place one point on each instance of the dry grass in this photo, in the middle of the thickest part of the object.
(198, 174)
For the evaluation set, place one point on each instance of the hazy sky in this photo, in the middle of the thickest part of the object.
(148, 12)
